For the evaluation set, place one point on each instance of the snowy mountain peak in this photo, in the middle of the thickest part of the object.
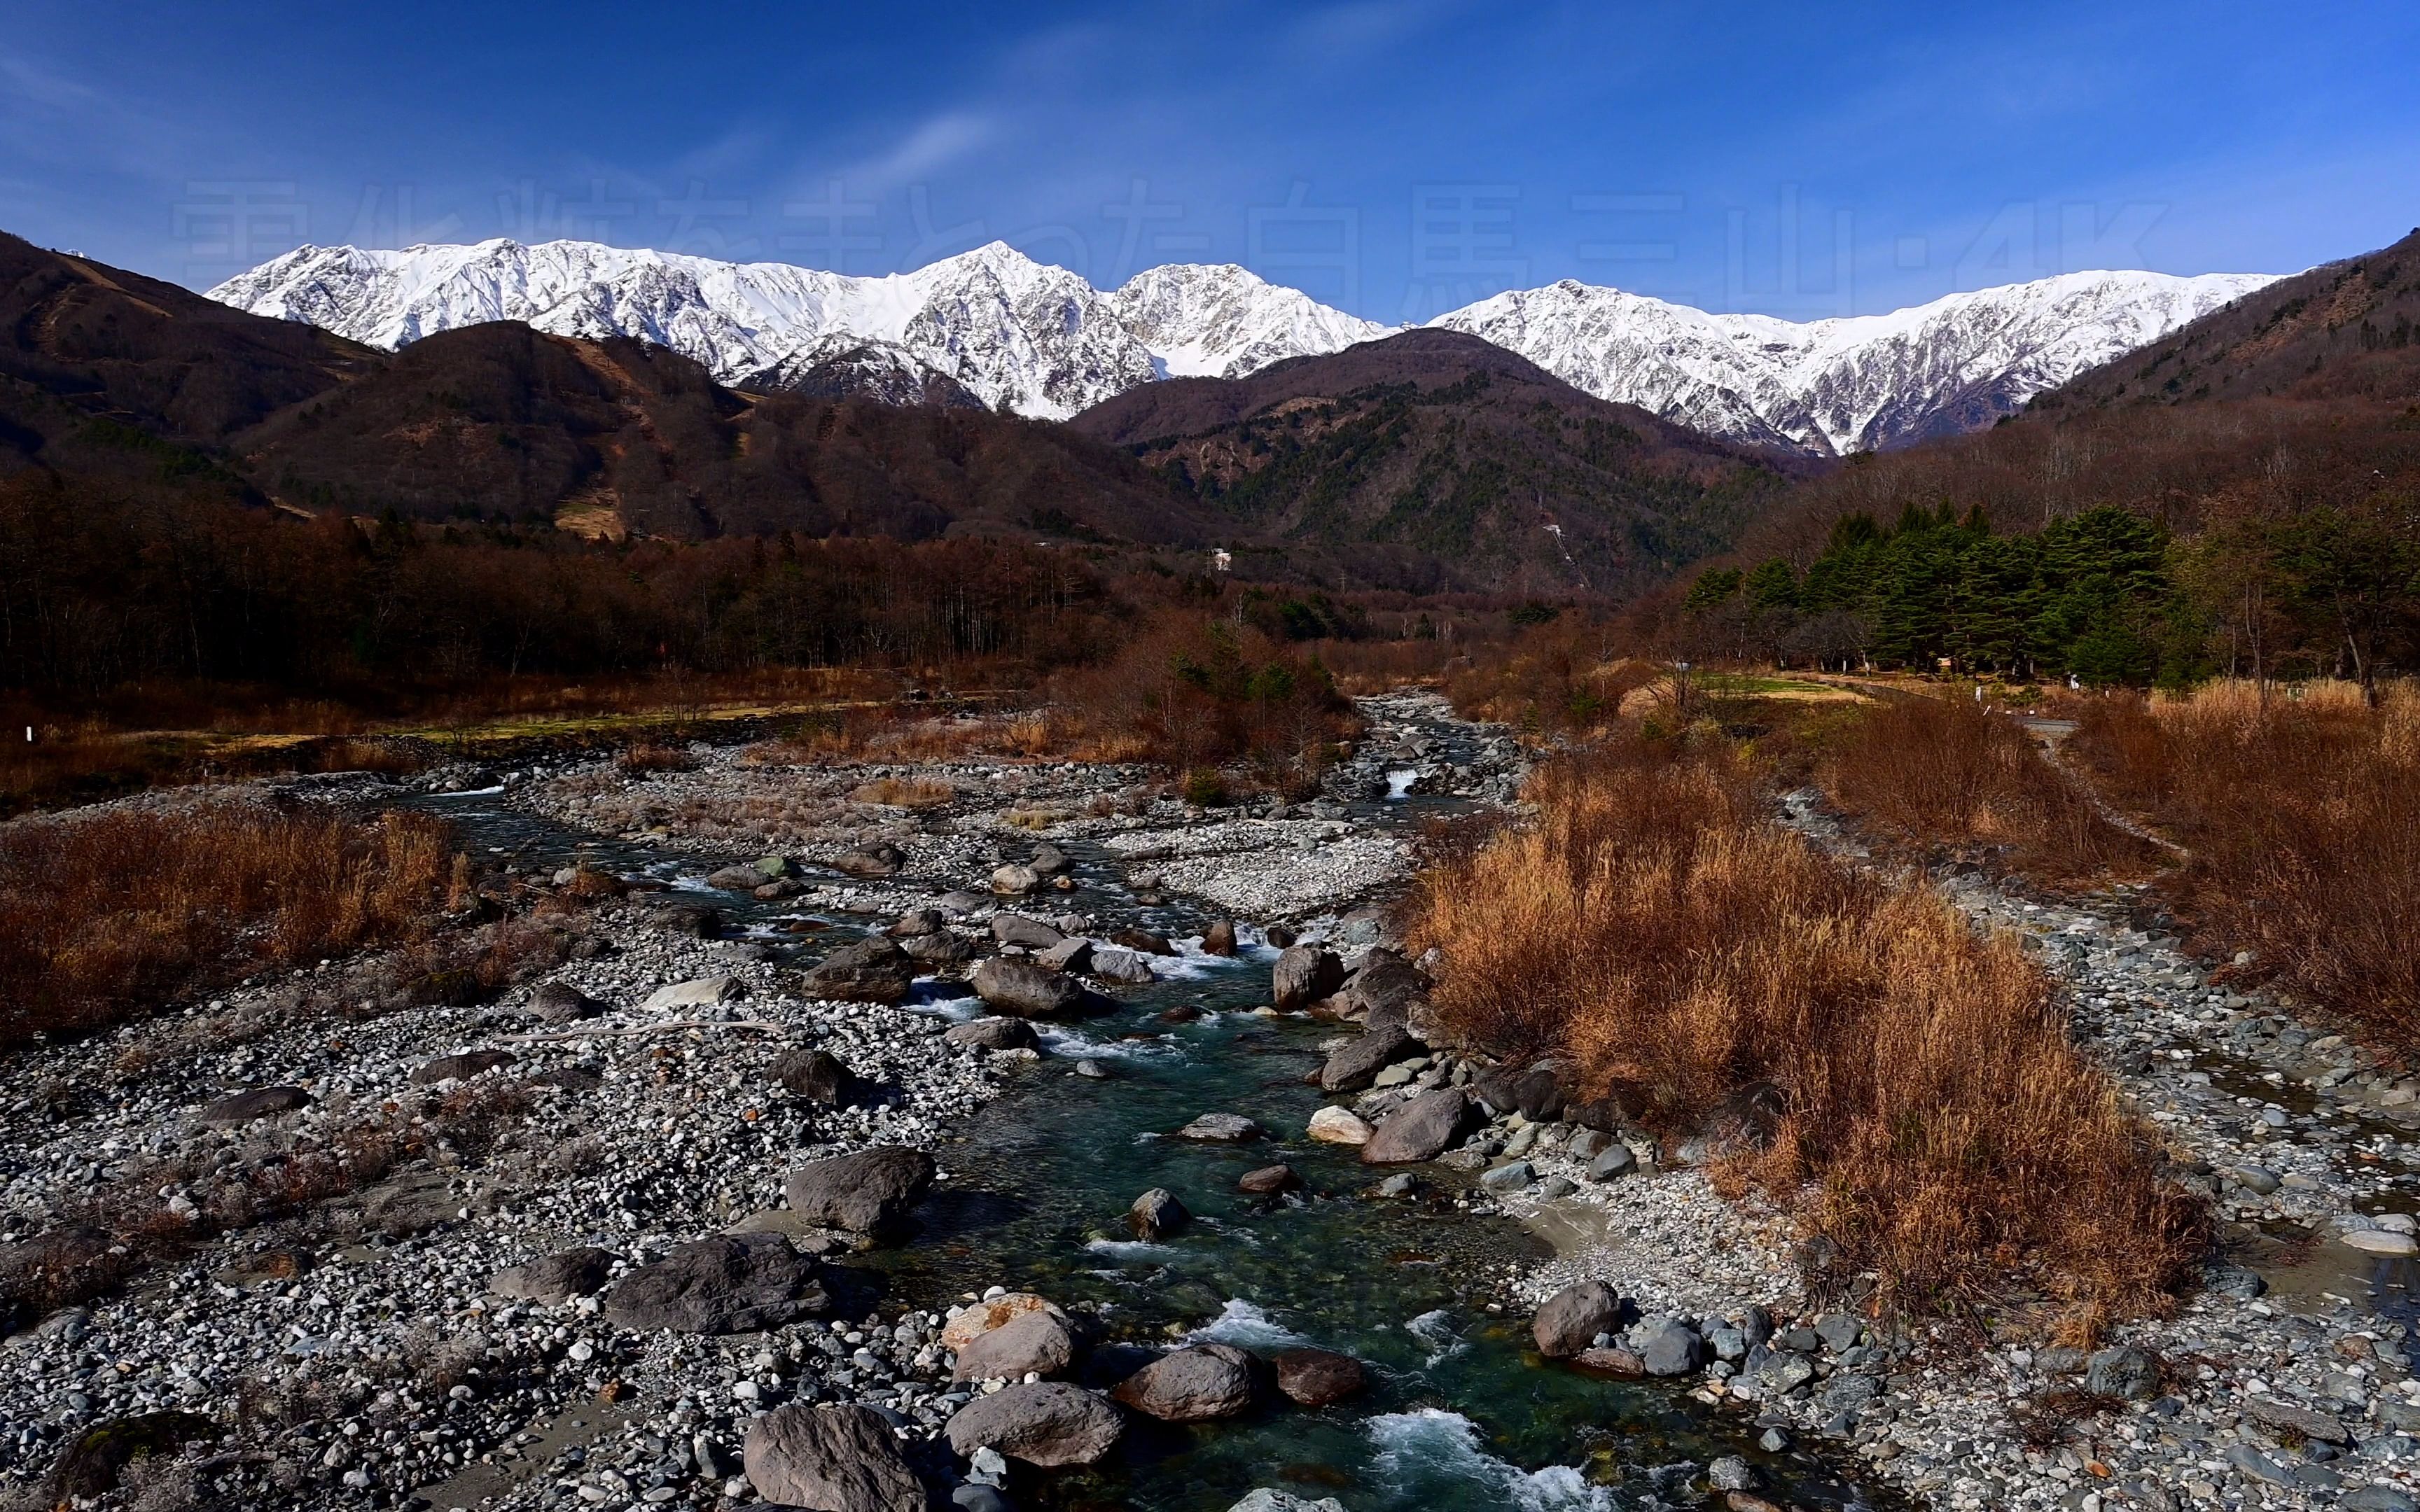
(1017, 334)
(1037, 339)
(1851, 383)
(1219, 320)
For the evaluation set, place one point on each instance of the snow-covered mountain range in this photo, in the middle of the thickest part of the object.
(1016, 333)
(1039, 340)
(1853, 384)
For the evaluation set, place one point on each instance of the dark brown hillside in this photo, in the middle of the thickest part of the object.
(2346, 332)
(2301, 398)
(81, 341)
(619, 436)
(1438, 447)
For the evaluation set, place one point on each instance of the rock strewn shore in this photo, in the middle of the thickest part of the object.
(2285, 1383)
(352, 1331)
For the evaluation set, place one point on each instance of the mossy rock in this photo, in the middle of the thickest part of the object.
(93, 1460)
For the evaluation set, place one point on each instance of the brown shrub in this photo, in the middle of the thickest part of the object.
(1942, 772)
(904, 793)
(651, 756)
(394, 757)
(1186, 693)
(1655, 927)
(111, 915)
(467, 966)
(2301, 820)
(908, 733)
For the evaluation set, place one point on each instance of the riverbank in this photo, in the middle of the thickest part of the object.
(296, 1224)
(349, 1343)
(2284, 1381)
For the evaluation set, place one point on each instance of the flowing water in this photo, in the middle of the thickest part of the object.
(1459, 1415)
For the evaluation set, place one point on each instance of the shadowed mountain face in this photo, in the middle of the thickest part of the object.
(618, 436)
(1437, 459)
(2346, 331)
(2301, 399)
(81, 343)
(108, 376)
(1430, 460)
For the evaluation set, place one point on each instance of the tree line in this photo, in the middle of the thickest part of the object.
(100, 588)
(2104, 596)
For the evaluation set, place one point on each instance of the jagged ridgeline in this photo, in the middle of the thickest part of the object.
(1041, 341)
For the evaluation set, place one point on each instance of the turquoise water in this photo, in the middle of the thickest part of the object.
(1459, 1415)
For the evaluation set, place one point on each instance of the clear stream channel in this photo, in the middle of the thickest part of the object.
(1460, 1414)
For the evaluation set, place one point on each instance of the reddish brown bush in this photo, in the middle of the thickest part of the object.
(2300, 821)
(1653, 926)
(110, 916)
(1942, 772)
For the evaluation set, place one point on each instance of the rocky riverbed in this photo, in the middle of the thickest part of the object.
(726, 1198)
(2286, 1381)
(322, 1242)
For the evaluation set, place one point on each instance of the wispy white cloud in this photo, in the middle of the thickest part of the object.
(1347, 32)
(934, 143)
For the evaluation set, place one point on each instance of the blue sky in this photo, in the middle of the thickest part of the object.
(1397, 159)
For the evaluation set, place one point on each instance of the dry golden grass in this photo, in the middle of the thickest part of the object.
(112, 915)
(654, 757)
(876, 734)
(1365, 667)
(1554, 680)
(1655, 927)
(1944, 772)
(2301, 819)
(904, 793)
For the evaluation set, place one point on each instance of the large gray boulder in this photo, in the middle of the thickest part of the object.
(870, 970)
(938, 948)
(738, 1285)
(1383, 990)
(879, 860)
(866, 1192)
(700, 991)
(1195, 1385)
(1265, 1499)
(559, 1002)
(1304, 974)
(831, 1459)
(1158, 1213)
(1037, 1343)
(1351, 1066)
(554, 1278)
(818, 1077)
(1221, 1129)
(1421, 1129)
(459, 1068)
(1315, 1378)
(1571, 1319)
(1047, 1423)
(1115, 962)
(1067, 955)
(1667, 1346)
(260, 1103)
(1015, 986)
(1016, 929)
(994, 1034)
